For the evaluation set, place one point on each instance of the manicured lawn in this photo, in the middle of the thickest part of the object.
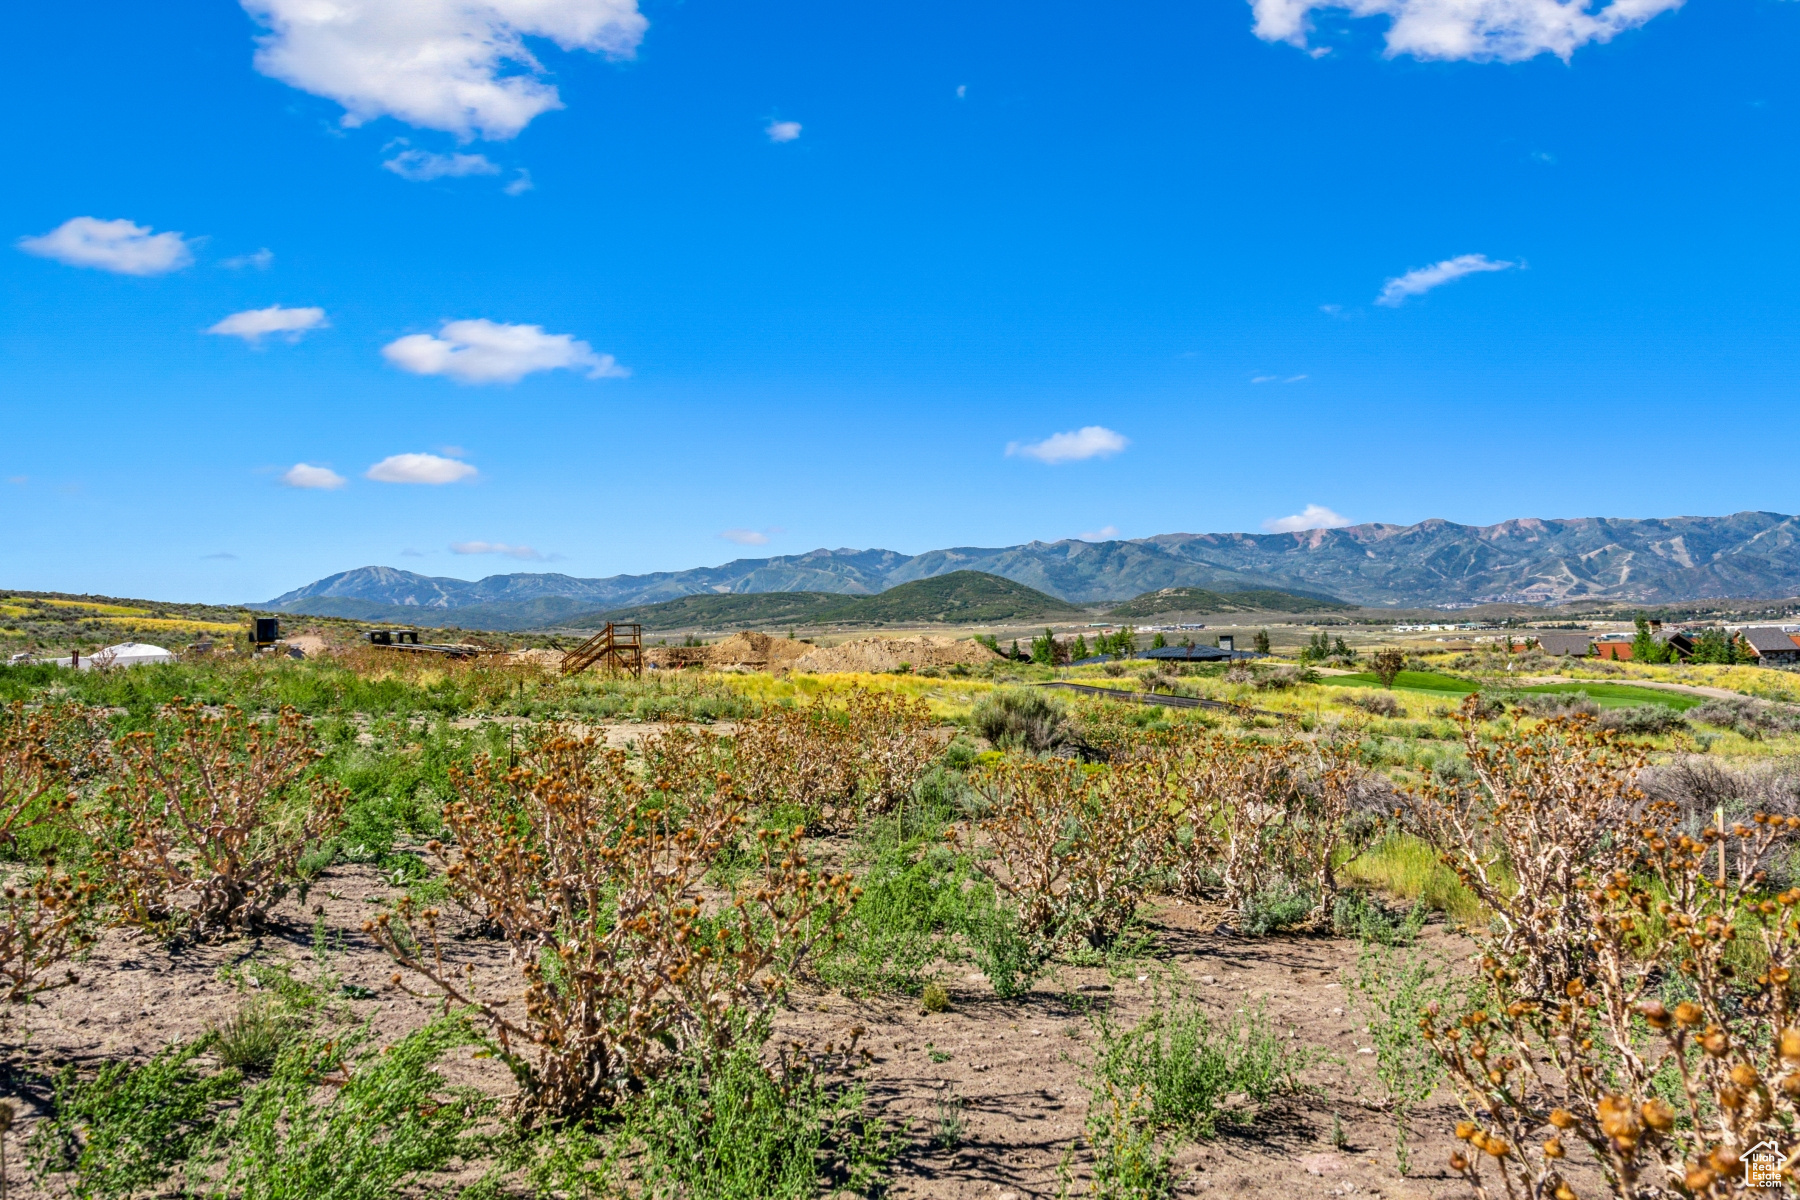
(1606, 695)
(1410, 681)
(1622, 695)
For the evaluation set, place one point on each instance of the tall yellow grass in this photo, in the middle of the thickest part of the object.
(1406, 868)
(948, 698)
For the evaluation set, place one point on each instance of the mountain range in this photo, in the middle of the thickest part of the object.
(1435, 562)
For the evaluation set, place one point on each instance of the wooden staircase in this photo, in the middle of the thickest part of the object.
(617, 648)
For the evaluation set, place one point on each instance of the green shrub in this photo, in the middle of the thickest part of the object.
(732, 1129)
(389, 1119)
(1642, 720)
(1129, 1161)
(1009, 958)
(1274, 910)
(1393, 993)
(917, 894)
(392, 1121)
(1185, 1066)
(1020, 719)
(951, 1124)
(130, 1128)
(1365, 919)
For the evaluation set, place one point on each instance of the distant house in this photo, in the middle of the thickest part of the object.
(1615, 651)
(1195, 654)
(1574, 645)
(1617, 646)
(1770, 645)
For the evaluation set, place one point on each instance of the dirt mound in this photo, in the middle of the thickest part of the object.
(310, 645)
(749, 649)
(887, 653)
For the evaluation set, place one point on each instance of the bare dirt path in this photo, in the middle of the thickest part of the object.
(1014, 1069)
(1017, 1068)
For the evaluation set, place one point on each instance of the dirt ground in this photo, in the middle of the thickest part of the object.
(1015, 1065)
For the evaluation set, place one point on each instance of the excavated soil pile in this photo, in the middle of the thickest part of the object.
(886, 654)
(748, 649)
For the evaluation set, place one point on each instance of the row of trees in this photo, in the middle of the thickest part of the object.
(1710, 646)
(1047, 651)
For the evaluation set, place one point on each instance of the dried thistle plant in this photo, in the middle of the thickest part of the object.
(42, 913)
(216, 813)
(1639, 1008)
(837, 762)
(1076, 851)
(597, 880)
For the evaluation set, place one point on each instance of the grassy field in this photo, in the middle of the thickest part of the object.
(1408, 681)
(1606, 695)
(935, 969)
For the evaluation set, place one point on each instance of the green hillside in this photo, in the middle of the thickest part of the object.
(961, 597)
(1200, 600)
(506, 615)
(719, 609)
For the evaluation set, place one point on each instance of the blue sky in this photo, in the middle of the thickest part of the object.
(708, 280)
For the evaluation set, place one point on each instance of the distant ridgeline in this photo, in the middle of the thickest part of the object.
(959, 598)
(1748, 554)
(1200, 600)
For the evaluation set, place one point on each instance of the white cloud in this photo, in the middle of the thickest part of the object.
(260, 260)
(496, 548)
(1105, 533)
(1313, 516)
(117, 246)
(1091, 441)
(483, 351)
(421, 166)
(962, 91)
(305, 475)
(257, 323)
(520, 184)
(746, 537)
(782, 131)
(223, 555)
(418, 468)
(1422, 279)
(1478, 30)
(457, 65)
(1276, 378)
